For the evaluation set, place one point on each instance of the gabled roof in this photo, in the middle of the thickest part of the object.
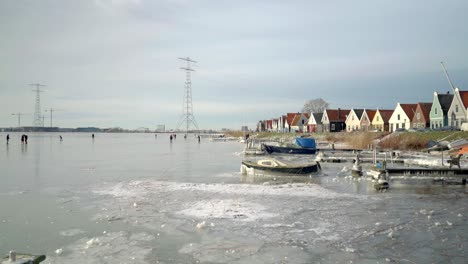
(296, 120)
(409, 110)
(464, 97)
(337, 115)
(445, 101)
(290, 117)
(318, 118)
(358, 113)
(425, 109)
(370, 114)
(385, 114)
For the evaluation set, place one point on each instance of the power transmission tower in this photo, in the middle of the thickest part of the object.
(19, 117)
(187, 115)
(37, 110)
(51, 110)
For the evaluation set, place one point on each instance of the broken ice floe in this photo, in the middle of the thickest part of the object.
(225, 209)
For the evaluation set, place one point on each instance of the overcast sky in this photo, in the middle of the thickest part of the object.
(110, 63)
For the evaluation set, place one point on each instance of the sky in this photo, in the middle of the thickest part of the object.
(114, 63)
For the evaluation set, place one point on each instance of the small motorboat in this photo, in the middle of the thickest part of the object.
(276, 166)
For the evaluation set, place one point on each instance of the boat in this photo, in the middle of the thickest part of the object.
(14, 257)
(302, 146)
(457, 144)
(276, 166)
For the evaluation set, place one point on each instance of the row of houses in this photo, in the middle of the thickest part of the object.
(445, 110)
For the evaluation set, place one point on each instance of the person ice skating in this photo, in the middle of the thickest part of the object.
(170, 138)
(61, 139)
(7, 138)
(25, 139)
(92, 136)
(198, 139)
(22, 138)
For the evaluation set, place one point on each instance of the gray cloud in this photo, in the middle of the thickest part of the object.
(114, 62)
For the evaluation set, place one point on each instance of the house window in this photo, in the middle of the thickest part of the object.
(377, 118)
(302, 121)
(435, 110)
(456, 108)
(418, 116)
(352, 118)
(398, 117)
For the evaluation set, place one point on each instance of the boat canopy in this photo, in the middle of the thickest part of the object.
(306, 142)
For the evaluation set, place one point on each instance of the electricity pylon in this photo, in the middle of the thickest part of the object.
(37, 109)
(187, 115)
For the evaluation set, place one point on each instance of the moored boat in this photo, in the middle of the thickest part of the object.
(276, 166)
(302, 146)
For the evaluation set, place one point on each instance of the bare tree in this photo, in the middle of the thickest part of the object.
(317, 105)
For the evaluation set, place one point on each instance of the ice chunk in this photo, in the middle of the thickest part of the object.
(201, 225)
(59, 251)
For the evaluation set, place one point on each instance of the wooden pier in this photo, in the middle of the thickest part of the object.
(436, 174)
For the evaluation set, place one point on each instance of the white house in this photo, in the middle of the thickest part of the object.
(458, 111)
(402, 116)
(353, 121)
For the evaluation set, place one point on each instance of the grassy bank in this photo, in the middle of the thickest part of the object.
(384, 140)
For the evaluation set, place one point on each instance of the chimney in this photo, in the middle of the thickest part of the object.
(339, 113)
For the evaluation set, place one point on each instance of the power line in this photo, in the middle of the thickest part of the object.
(187, 113)
(37, 109)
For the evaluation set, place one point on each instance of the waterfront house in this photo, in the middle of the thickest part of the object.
(289, 119)
(260, 126)
(366, 119)
(315, 123)
(381, 119)
(440, 106)
(353, 120)
(333, 120)
(269, 125)
(274, 125)
(282, 124)
(457, 113)
(402, 116)
(299, 122)
(421, 117)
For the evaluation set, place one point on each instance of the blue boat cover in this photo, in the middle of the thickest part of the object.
(306, 142)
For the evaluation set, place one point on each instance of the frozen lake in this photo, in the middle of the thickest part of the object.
(135, 198)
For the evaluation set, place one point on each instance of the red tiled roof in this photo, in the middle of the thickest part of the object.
(290, 117)
(386, 114)
(296, 120)
(425, 109)
(337, 114)
(409, 110)
(464, 98)
(371, 114)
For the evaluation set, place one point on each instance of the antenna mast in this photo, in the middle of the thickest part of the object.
(448, 77)
(37, 110)
(187, 115)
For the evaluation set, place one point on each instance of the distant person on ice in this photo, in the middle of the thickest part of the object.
(7, 138)
(198, 139)
(170, 137)
(92, 136)
(61, 139)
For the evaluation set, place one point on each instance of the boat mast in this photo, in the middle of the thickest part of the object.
(448, 77)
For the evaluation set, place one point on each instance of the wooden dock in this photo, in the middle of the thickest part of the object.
(436, 174)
